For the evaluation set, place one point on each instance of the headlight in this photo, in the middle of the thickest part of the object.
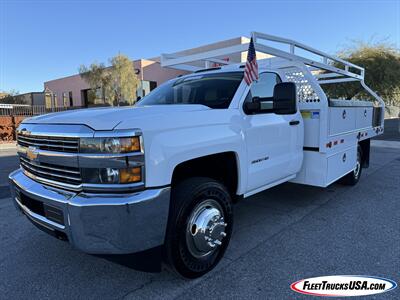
(110, 145)
(112, 175)
(112, 160)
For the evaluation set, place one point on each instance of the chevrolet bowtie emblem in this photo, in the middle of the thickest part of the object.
(32, 153)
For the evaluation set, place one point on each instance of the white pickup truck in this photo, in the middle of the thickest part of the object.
(166, 172)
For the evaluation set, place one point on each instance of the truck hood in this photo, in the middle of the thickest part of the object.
(109, 118)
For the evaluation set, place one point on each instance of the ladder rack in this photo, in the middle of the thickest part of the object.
(330, 69)
(346, 71)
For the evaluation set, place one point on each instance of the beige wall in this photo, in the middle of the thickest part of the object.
(259, 55)
(72, 84)
(3, 95)
(233, 58)
(152, 71)
(236, 57)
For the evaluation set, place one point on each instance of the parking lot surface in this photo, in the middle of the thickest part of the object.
(282, 235)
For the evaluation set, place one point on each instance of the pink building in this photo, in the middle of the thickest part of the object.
(74, 91)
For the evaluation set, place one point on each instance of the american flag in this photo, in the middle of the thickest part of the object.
(251, 68)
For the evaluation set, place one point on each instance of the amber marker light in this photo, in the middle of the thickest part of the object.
(130, 144)
(130, 175)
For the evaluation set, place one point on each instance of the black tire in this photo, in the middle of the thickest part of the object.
(188, 199)
(354, 176)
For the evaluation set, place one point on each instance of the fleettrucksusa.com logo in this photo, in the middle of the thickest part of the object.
(343, 285)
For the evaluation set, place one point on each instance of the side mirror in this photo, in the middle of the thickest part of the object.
(283, 101)
(259, 105)
(252, 107)
(284, 98)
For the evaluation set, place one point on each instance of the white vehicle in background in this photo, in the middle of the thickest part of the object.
(165, 174)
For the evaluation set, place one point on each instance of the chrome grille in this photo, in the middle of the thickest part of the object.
(57, 144)
(57, 173)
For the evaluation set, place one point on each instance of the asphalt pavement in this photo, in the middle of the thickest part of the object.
(8, 163)
(392, 130)
(282, 235)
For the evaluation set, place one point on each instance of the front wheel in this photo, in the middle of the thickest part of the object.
(353, 177)
(199, 226)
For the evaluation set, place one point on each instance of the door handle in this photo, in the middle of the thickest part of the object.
(294, 122)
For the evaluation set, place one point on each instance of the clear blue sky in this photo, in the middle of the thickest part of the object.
(48, 39)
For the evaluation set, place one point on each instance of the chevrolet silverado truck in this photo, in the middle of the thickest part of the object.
(166, 172)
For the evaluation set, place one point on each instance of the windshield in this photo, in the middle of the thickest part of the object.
(213, 90)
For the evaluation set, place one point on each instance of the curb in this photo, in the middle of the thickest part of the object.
(8, 146)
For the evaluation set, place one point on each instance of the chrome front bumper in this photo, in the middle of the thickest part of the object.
(97, 223)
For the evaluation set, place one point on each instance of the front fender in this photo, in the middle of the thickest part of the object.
(168, 149)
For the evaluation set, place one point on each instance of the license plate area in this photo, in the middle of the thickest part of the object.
(50, 212)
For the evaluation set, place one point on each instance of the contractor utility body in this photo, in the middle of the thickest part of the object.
(166, 172)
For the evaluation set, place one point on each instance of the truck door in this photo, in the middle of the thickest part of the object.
(274, 142)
